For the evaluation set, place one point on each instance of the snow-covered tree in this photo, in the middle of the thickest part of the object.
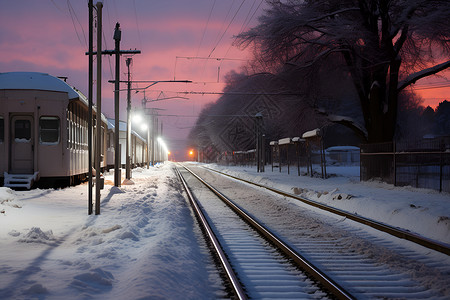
(229, 124)
(443, 118)
(385, 46)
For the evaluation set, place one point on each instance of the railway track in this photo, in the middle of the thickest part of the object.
(358, 262)
(257, 263)
(420, 240)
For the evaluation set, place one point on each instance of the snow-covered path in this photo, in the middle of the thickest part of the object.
(144, 244)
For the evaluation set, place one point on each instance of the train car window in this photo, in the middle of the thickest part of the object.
(69, 129)
(22, 130)
(2, 130)
(49, 130)
(102, 140)
(77, 126)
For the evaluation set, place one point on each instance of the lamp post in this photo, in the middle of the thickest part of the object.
(154, 116)
(129, 89)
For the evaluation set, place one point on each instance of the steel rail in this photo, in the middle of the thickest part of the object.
(415, 238)
(237, 287)
(329, 284)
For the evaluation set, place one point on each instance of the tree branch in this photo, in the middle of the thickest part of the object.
(347, 122)
(332, 14)
(421, 74)
(399, 44)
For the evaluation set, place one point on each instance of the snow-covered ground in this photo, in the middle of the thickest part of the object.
(145, 243)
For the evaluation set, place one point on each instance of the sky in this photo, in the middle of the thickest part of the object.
(174, 36)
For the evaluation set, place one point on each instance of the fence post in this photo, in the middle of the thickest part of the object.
(441, 165)
(287, 156)
(395, 163)
(279, 157)
(360, 163)
(298, 157)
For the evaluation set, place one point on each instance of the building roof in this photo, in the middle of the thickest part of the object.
(35, 81)
(122, 127)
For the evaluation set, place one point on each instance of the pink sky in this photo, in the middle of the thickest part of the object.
(51, 37)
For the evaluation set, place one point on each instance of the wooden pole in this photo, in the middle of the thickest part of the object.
(99, 108)
(90, 96)
(128, 140)
(117, 175)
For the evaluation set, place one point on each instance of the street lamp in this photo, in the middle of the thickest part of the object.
(144, 127)
(137, 118)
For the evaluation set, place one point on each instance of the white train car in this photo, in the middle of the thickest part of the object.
(138, 146)
(138, 150)
(43, 130)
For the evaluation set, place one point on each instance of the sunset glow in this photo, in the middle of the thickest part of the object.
(52, 37)
(178, 39)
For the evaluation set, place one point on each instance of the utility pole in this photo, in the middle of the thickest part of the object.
(117, 52)
(90, 95)
(155, 134)
(149, 126)
(117, 175)
(161, 159)
(99, 108)
(260, 159)
(148, 143)
(129, 81)
(128, 158)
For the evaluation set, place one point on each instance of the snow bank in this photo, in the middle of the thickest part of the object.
(144, 244)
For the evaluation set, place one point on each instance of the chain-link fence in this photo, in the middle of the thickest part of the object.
(422, 164)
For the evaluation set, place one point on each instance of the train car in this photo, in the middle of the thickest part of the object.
(43, 130)
(138, 144)
(138, 150)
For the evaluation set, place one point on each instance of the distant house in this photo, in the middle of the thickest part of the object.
(342, 155)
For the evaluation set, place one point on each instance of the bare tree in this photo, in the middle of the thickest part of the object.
(385, 45)
(229, 124)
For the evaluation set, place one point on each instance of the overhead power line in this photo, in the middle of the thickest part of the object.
(206, 26)
(229, 24)
(211, 58)
(242, 93)
(137, 23)
(73, 14)
(435, 85)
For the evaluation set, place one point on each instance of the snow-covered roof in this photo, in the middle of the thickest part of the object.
(123, 128)
(82, 97)
(111, 124)
(297, 139)
(311, 133)
(35, 81)
(284, 141)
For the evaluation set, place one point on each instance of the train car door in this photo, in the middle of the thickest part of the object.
(22, 145)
